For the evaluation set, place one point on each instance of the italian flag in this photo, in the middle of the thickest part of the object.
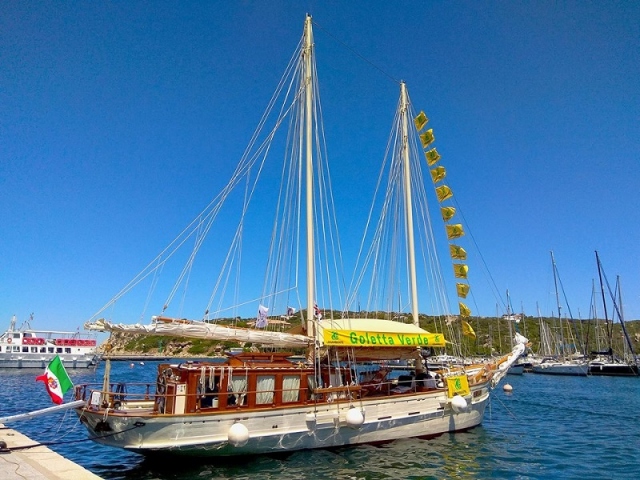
(56, 380)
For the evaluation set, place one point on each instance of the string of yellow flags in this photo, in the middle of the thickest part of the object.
(454, 230)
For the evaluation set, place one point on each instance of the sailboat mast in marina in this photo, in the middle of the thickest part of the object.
(563, 363)
(265, 399)
(609, 363)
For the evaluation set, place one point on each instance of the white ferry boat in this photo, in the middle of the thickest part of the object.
(28, 348)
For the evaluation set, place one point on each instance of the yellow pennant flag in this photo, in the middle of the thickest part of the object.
(427, 138)
(457, 252)
(462, 289)
(454, 231)
(432, 157)
(467, 330)
(447, 213)
(420, 121)
(443, 193)
(464, 311)
(438, 174)
(460, 270)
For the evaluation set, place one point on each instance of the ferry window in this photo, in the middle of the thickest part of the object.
(67, 350)
(59, 350)
(43, 349)
(16, 335)
(290, 388)
(25, 349)
(50, 349)
(264, 389)
(239, 389)
(34, 349)
(16, 348)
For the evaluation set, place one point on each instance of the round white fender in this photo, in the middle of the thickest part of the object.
(459, 404)
(238, 435)
(311, 421)
(355, 418)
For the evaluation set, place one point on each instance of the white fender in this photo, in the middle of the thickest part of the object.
(238, 435)
(459, 404)
(355, 418)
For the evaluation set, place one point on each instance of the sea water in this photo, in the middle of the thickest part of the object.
(549, 427)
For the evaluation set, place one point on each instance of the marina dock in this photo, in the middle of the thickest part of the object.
(37, 463)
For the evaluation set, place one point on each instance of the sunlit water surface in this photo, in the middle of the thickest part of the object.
(548, 427)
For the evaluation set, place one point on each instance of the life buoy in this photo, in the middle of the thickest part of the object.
(9, 340)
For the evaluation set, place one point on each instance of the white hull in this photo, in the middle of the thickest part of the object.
(560, 368)
(26, 360)
(30, 348)
(517, 369)
(304, 427)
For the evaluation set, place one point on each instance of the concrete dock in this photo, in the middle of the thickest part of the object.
(37, 463)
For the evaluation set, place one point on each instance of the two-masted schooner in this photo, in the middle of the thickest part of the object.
(265, 400)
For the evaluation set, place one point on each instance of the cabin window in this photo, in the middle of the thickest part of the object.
(50, 349)
(209, 396)
(67, 350)
(16, 348)
(265, 388)
(34, 349)
(290, 388)
(16, 336)
(43, 349)
(59, 350)
(239, 391)
(311, 386)
(25, 349)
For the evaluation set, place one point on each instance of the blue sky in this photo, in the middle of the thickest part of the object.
(121, 120)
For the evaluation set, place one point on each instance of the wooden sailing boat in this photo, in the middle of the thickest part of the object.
(267, 402)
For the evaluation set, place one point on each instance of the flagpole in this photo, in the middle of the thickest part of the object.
(44, 411)
(106, 381)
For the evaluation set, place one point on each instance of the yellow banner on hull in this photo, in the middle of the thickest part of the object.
(458, 385)
(359, 338)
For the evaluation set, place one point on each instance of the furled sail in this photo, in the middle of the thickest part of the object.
(209, 331)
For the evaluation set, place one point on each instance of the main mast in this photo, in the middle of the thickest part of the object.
(308, 82)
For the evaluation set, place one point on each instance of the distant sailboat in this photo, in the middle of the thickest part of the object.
(567, 362)
(609, 362)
